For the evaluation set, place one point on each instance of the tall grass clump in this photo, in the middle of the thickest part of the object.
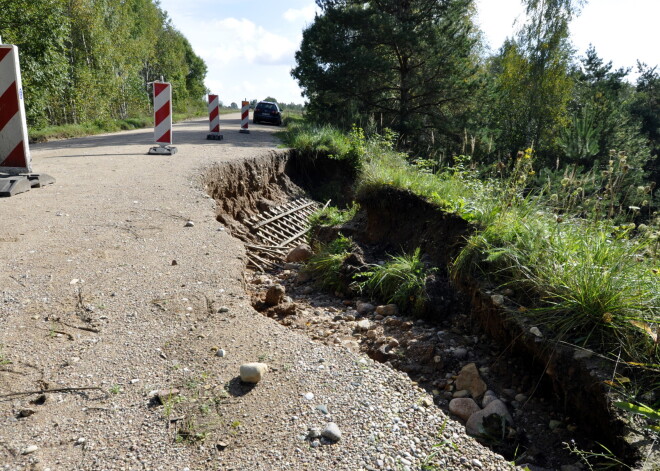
(318, 141)
(451, 191)
(401, 281)
(312, 143)
(325, 266)
(585, 285)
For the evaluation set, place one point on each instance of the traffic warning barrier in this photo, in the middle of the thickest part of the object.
(245, 112)
(15, 160)
(163, 119)
(14, 147)
(214, 118)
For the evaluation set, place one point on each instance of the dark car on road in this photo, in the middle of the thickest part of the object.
(266, 111)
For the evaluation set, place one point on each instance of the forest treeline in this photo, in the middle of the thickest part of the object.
(420, 68)
(92, 60)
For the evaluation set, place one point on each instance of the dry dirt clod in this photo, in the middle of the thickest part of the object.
(275, 295)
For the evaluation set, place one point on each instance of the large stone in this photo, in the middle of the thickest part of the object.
(331, 432)
(302, 253)
(387, 310)
(275, 295)
(364, 325)
(490, 421)
(469, 379)
(253, 372)
(489, 397)
(463, 407)
(364, 308)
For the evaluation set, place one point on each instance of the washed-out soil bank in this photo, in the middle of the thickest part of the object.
(562, 385)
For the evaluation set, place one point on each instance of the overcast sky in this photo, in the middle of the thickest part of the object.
(249, 45)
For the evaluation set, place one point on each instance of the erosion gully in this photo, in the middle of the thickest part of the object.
(557, 394)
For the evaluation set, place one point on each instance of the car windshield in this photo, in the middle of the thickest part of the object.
(266, 107)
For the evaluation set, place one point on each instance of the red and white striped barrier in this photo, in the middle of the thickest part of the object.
(14, 147)
(15, 161)
(245, 113)
(214, 118)
(163, 119)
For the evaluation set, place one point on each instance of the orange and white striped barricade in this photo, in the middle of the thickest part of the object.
(214, 118)
(245, 114)
(15, 160)
(163, 119)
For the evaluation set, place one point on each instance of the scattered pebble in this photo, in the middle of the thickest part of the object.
(30, 449)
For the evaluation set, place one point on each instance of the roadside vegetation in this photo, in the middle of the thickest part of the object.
(592, 279)
(66, 131)
(89, 67)
(550, 153)
(583, 266)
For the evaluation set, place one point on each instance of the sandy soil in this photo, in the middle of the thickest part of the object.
(103, 287)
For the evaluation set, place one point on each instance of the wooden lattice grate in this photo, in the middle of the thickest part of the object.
(279, 229)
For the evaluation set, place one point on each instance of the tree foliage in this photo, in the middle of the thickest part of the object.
(406, 64)
(85, 60)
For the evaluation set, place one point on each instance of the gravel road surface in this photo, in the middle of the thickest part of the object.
(108, 294)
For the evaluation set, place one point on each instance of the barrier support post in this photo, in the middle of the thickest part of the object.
(162, 119)
(245, 113)
(214, 118)
(15, 161)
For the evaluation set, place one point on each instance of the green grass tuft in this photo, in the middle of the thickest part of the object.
(401, 280)
(332, 216)
(326, 265)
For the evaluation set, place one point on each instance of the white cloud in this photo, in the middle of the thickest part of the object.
(305, 14)
(240, 40)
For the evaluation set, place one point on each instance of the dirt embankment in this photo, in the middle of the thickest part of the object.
(393, 221)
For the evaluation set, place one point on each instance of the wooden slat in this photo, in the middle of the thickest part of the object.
(274, 218)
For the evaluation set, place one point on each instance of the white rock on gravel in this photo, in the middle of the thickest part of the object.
(30, 449)
(332, 432)
(364, 324)
(253, 372)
